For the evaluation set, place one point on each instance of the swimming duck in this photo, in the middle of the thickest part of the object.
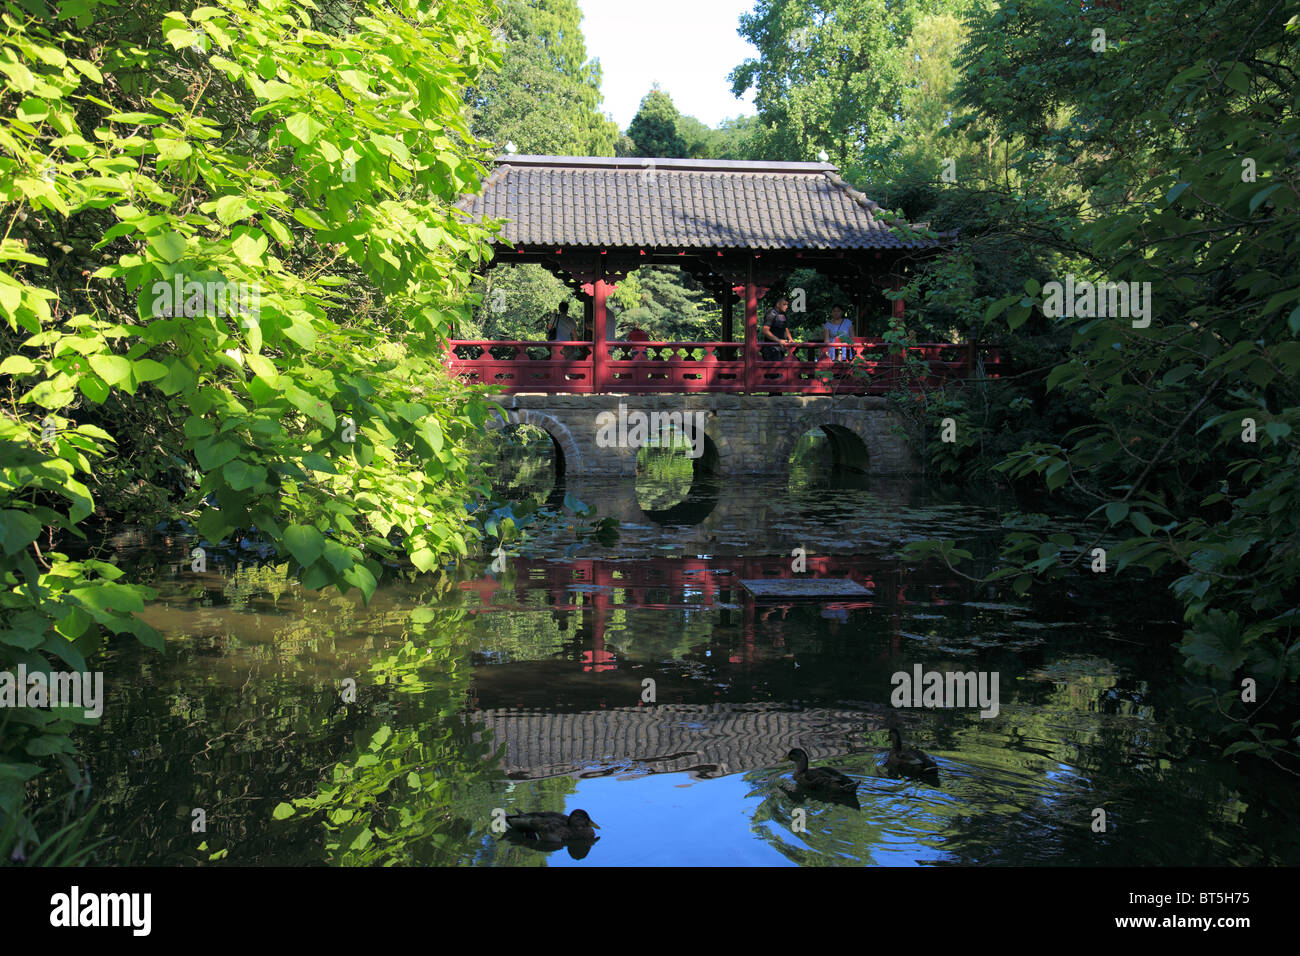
(554, 827)
(907, 761)
(819, 778)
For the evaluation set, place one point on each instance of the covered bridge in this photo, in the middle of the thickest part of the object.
(739, 228)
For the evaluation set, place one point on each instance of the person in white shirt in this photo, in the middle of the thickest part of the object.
(838, 329)
(563, 328)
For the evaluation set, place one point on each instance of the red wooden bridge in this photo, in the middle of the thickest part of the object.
(740, 229)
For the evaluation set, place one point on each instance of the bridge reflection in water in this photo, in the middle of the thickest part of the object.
(706, 739)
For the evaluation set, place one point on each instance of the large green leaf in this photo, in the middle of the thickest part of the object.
(305, 543)
(18, 529)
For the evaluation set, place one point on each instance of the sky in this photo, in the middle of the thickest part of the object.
(687, 46)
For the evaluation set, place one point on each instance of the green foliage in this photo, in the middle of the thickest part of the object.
(408, 794)
(731, 139)
(1166, 159)
(544, 99)
(829, 74)
(669, 305)
(654, 128)
(68, 845)
(546, 96)
(291, 174)
(515, 302)
(696, 137)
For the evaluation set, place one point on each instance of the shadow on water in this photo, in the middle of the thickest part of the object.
(642, 682)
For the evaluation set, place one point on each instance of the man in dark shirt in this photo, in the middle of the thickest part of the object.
(775, 329)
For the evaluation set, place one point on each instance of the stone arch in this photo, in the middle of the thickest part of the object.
(568, 459)
(705, 491)
(710, 461)
(856, 444)
(721, 445)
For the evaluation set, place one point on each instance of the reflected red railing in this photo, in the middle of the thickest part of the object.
(668, 582)
(864, 367)
(603, 586)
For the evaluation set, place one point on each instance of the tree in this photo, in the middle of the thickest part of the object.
(1163, 158)
(544, 100)
(829, 75)
(228, 241)
(732, 139)
(669, 305)
(546, 97)
(736, 139)
(697, 137)
(624, 146)
(654, 128)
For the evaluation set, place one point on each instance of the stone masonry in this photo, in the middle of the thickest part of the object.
(744, 434)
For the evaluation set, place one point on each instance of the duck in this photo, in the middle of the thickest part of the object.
(907, 761)
(551, 827)
(819, 778)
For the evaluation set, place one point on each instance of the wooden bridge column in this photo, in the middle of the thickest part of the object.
(599, 344)
(727, 325)
(751, 330)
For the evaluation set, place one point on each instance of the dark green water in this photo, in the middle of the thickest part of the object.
(523, 690)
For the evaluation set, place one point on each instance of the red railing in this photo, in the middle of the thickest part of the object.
(675, 367)
(865, 367)
(524, 366)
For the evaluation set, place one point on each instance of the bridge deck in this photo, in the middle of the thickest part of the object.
(866, 367)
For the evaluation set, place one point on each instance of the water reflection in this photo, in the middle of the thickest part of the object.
(644, 684)
(693, 508)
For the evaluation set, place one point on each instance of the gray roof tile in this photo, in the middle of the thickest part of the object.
(712, 204)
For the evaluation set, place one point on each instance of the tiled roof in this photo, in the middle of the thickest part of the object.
(679, 203)
(707, 741)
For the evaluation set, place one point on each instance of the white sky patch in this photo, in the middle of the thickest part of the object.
(687, 46)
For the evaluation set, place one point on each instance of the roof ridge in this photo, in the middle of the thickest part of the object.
(874, 209)
(639, 163)
(861, 198)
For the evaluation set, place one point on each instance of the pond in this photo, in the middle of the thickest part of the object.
(640, 681)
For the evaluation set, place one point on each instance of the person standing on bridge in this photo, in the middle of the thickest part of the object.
(561, 328)
(838, 329)
(776, 329)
